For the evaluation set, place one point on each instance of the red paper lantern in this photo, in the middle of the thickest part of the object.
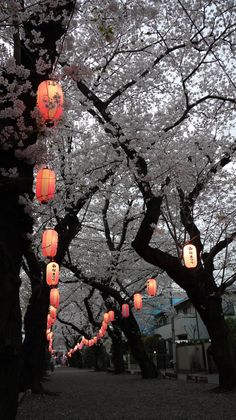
(54, 297)
(95, 340)
(50, 102)
(49, 322)
(85, 341)
(106, 317)
(49, 243)
(52, 273)
(125, 310)
(138, 301)
(104, 325)
(45, 185)
(111, 315)
(53, 312)
(151, 287)
(50, 336)
(190, 256)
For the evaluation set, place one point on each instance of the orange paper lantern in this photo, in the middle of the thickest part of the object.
(50, 102)
(111, 315)
(49, 243)
(190, 256)
(45, 185)
(52, 274)
(54, 297)
(125, 310)
(49, 322)
(50, 336)
(138, 301)
(106, 317)
(53, 312)
(151, 287)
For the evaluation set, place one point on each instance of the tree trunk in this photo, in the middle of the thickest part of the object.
(132, 332)
(221, 342)
(14, 224)
(117, 350)
(35, 342)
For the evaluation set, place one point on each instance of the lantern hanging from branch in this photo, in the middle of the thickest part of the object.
(104, 325)
(50, 102)
(81, 345)
(45, 185)
(53, 312)
(151, 287)
(125, 310)
(49, 322)
(50, 336)
(52, 274)
(190, 256)
(138, 301)
(111, 315)
(106, 317)
(54, 297)
(49, 243)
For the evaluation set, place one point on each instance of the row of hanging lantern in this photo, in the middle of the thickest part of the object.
(107, 318)
(110, 316)
(45, 190)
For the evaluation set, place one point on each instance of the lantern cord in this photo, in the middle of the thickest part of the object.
(63, 38)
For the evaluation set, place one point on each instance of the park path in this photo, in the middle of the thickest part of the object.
(88, 395)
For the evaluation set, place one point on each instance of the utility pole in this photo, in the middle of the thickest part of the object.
(173, 329)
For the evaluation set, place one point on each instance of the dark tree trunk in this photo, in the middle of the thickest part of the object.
(221, 341)
(117, 349)
(14, 223)
(35, 343)
(131, 330)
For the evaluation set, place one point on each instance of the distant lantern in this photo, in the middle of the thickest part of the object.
(95, 340)
(151, 287)
(106, 317)
(111, 315)
(52, 274)
(53, 312)
(85, 341)
(125, 310)
(49, 322)
(190, 256)
(45, 185)
(54, 297)
(104, 325)
(81, 345)
(90, 343)
(49, 243)
(138, 301)
(50, 102)
(102, 332)
(50, 336)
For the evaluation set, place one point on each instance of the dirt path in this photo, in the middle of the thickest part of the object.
(87, 395)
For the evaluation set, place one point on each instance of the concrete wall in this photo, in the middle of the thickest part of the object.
(190, 358)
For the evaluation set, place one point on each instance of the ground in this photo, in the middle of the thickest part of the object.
(89, 395)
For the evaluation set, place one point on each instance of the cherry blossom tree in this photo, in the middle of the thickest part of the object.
(163, 91)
